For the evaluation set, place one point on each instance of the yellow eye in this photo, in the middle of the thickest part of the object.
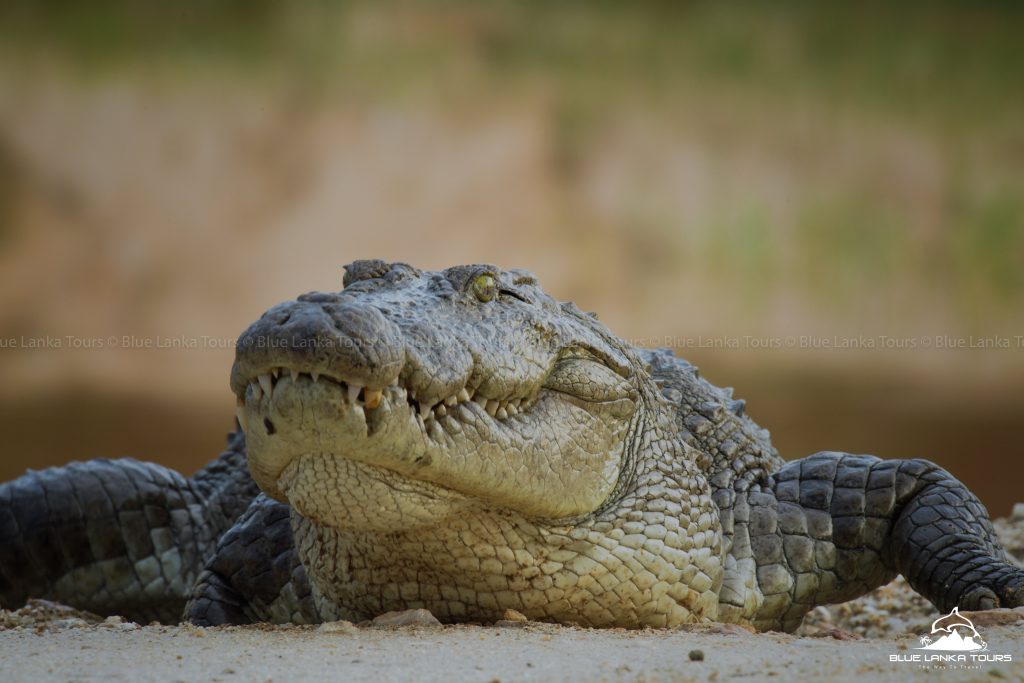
(485, 287)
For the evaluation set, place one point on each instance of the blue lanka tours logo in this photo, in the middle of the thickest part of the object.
(952, 640)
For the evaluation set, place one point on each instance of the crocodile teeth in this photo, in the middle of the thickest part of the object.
(353, 392)
(372, 397)
(451, 400)
(425, 410)
(463, 395)
(440, 410)
(512, 410)
(492, 407)
(501, 414)
(295, 374)
(243, 420)
(315, 375)
(481, 401)
(257, 392)
(267, 384)
(275, 372)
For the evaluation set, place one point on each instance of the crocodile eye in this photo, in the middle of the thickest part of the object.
(485, 287)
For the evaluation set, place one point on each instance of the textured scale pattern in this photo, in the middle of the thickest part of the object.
(117, 536)
(656, 551)
(254, 574)
(462, 442)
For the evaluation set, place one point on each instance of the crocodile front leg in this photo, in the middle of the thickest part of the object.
(254, 574)
(833, 526)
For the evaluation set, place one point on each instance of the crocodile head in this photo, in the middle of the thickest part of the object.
(412, 395)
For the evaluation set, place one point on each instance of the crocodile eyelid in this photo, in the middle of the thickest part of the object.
(525, 280)
(514, 294)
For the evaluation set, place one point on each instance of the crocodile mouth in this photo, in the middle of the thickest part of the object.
(364, 401)
(483, 447)
(288, 414)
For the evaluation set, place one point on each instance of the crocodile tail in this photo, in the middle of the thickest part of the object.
(116, 536)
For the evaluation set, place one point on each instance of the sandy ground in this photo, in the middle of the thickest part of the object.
(855, 641)
(474, 653)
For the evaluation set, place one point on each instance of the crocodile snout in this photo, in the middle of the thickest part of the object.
(321, 335)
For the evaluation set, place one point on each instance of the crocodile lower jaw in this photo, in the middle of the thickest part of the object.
(341, 493)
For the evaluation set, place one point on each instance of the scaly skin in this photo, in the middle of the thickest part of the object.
(461, 441)
(117, 536)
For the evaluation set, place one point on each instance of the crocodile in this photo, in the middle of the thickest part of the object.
(462, 442)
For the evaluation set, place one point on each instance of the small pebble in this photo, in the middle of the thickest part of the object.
(696, 655)
(343, 627)
(409, 617)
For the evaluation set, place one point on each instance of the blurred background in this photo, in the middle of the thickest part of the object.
(820, 205)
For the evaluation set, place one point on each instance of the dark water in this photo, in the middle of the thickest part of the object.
(977, 438)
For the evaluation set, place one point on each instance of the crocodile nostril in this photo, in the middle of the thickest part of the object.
(269, 426)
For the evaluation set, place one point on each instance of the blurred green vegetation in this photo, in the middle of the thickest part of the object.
(948, 71)
(713, 168)
(939, 60)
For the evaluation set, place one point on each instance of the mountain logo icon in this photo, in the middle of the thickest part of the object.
(953, 632)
